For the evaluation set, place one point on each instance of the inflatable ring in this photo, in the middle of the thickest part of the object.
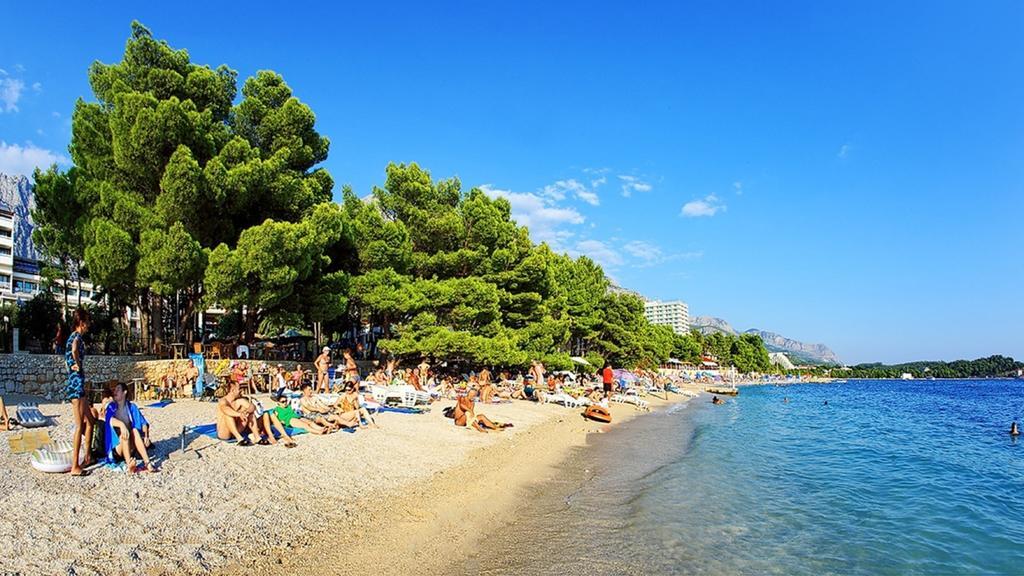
(54, 458)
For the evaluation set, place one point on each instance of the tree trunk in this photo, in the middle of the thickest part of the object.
(157, 323)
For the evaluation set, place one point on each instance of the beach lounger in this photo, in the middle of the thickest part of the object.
(631, 399)
(29, 416)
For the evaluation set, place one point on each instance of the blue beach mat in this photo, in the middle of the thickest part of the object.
(160, 404)
(210, 430)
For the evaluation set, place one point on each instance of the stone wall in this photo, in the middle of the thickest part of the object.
(45, 374)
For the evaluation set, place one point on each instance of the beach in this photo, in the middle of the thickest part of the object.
(409, 497)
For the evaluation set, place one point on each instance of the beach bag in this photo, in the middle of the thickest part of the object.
(449, 412)
(598, 413)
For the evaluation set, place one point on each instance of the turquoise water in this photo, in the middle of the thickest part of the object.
(887, 478)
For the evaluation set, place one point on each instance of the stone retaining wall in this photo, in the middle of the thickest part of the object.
(45, 374)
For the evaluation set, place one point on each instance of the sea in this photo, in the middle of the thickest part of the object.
(863, 477)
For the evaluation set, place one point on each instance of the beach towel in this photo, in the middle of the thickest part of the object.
(201, 365)
(160, 404)
(28, 441)
(110, 438)
(210, 430)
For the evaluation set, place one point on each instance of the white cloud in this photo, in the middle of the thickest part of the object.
(599, 252)
(560, 189)
(707, 206)
(737, 186)
(16, 159)
(55, 114)
(632, 184)
(10, 93)
(37, 87)
(545, 219)
(648, 254)
(844, 151)
(644, 251)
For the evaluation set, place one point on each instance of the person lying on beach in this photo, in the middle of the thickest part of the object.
(350, 407)
(235, 416)
(289, 418)
(315, 409)
(127, 431)
(465, 413)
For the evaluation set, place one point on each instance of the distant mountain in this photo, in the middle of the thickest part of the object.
(710, 325)
(16, 196)
(797, 351)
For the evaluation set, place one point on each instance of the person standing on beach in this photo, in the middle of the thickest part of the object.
(423, 368)
(74, 390)
(351, 370)
(607, 380)
(323, 361)
(537, 370)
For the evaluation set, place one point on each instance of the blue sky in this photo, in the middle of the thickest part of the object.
(845, 173)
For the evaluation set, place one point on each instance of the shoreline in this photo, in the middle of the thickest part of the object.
(384, 499)
(435, 523)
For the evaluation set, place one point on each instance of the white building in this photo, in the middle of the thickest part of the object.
(19, 261)
(674, 313)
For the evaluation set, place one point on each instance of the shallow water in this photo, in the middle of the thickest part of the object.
(887, 478)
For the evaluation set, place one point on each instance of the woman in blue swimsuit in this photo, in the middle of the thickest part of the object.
(74, 390)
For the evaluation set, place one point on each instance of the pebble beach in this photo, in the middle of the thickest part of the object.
(388, 493)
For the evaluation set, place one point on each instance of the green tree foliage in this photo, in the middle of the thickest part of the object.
(992, 366)
(59, 217)
(38, 319)
(171, 178)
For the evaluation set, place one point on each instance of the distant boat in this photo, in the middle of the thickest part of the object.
(906, 376)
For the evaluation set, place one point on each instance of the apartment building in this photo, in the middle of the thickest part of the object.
(674, 313)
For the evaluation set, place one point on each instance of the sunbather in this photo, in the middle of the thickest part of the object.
(289, 418)
(350, 406)
(266, 422)
(235, 417)
(316, 410)
(465, 413)
(323, 361)
(127, 431)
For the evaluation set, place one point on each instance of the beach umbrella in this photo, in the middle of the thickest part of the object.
(581, 361)
(625, 375)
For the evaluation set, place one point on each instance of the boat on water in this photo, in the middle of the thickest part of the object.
(906, 376)
(723, 390)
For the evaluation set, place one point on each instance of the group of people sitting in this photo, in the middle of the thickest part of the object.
(247, 421)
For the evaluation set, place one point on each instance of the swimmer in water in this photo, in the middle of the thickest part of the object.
(1014, 430)
(785, 400)
(826, 402)
(717, 400)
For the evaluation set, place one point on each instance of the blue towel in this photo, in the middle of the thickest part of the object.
(211, 431)
(160, 404)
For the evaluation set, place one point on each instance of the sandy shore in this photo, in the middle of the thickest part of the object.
(388, 501)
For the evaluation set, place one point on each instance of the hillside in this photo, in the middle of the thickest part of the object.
(798, 352)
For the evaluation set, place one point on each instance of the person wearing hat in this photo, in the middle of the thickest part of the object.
(323, 361)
